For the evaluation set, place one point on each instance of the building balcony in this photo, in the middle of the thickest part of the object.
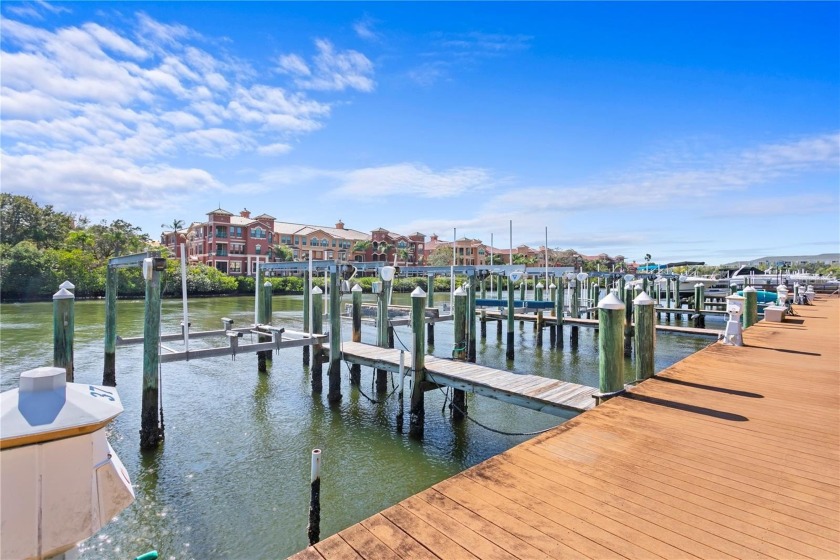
(221, 253)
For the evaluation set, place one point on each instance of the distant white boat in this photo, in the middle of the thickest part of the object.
(772, 278)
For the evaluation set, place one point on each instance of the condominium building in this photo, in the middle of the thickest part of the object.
(235, 244)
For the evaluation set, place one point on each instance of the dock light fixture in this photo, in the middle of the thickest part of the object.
(581, 276)
(628, 277)
(782, 291)
(735, 308)
(516, 275)
(387, 273)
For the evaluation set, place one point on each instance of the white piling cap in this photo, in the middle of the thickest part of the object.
(610, 302)
(67, 285)
(643, 299)
(750, 289)
(418, 292)
(316, 290)
(539, 285)
(63, 294)
(458, 292)
(46, 407)
(356, 288)
(699, 285)
(267, 284)
(735, 297)
(552, 286)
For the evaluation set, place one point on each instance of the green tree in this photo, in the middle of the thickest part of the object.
(403, 254)
(22, 219)
(361, 246)
(441, 256)
(283, 254)
(25, 271)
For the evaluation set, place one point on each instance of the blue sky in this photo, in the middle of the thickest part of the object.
(706, 131)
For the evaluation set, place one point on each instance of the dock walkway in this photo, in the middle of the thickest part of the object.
(560, 398)
(730, 453)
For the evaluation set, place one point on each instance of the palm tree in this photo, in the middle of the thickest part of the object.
(175, 226)
(403, 254)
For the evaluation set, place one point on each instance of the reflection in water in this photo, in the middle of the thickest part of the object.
(232, 479)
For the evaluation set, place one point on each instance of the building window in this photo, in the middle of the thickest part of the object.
(303, 241)
(314, 241)
(235, 267)
(259, 249)
(258, 233)
(325, 242)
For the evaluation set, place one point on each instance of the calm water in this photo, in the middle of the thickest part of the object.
(232, 477)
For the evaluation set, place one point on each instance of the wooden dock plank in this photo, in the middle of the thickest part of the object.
(396, 539)
(523, 389)
(733, 452)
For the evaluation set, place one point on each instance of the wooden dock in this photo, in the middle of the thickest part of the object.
(552, 396)
(731, 453)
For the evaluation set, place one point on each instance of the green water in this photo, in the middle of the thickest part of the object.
(232, 477)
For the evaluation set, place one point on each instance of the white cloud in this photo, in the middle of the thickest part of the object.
(274, 149)
(450, 51)
(663, 184)
(293, 64)
(330, 70)
(364, 29)
(100, 186)
(115, 42)
(128, 102)
(401, 179)
(411, 179)
(34, 9)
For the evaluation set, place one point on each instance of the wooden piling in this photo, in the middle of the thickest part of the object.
(539, 327)
(483, 323)
(63, 331)
(264, 318)
(643, 309)
(611, 321)
(575, 310)
(382, 325)
(471, 335)
(560, 310)
(314, 529)
(317, 349)
(552, 329)
(151, 430)
(628, 318)
(459, 317)
(357, 313)
(109, 372)
(306, 297)
(417, 412)
(750, 315)
(430, 302)
(510, 352)
(668, 298)
(699, 305)
(334, 392)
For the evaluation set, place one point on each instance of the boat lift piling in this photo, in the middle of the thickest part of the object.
(63, 330)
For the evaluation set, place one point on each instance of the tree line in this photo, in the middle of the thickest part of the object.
(41, 247)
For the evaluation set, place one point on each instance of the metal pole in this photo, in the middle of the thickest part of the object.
(184, 297)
